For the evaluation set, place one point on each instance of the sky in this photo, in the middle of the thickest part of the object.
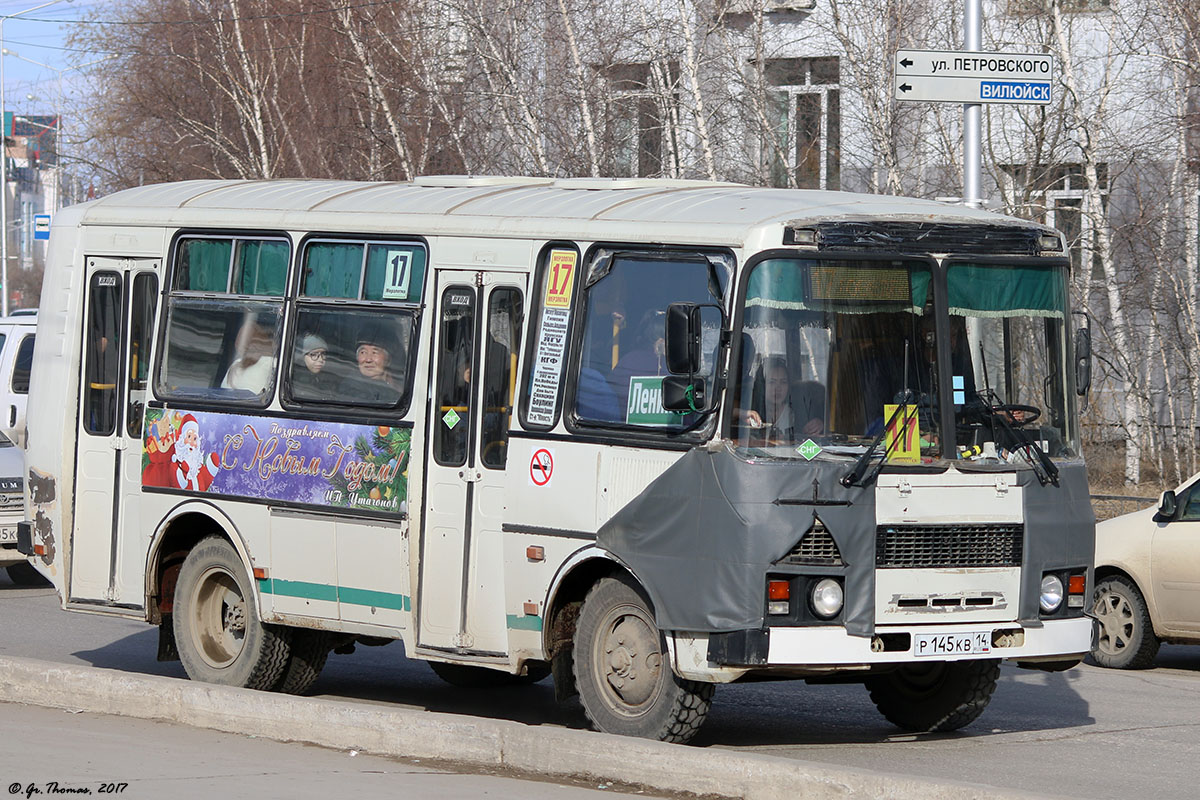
(39, 36)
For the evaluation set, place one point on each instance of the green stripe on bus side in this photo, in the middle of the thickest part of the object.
(333, 594)
(524, 623)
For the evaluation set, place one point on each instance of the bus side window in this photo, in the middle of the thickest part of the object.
(102, 354)
(145, 289)
(452, 411)
(501, 346)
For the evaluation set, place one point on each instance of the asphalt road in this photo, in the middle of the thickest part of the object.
(1088, 732)
(51, 751)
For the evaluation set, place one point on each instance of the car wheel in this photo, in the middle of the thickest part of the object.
(1125, 637)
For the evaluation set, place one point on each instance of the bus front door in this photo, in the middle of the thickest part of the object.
(107, 563)
(476, 344)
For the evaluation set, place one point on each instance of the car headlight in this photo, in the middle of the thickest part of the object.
(827, 598)
(1052, 594)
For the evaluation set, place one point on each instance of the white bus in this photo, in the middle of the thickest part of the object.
(647, 436)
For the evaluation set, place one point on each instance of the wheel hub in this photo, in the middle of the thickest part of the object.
(632, 659)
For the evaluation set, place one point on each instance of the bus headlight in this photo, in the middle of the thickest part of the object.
(1052, 594)
(827, 598)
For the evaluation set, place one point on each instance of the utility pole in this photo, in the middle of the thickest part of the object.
(973, 113)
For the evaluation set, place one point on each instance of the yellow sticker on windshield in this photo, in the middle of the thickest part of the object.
(903, 436)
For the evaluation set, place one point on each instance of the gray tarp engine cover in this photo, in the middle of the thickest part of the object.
(703, 536)
(1060, 530)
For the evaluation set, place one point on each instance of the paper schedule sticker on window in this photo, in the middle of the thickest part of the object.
(395, 280)
(903, 436)
(560, 279)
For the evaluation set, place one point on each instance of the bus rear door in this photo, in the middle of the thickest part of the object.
(121, 304)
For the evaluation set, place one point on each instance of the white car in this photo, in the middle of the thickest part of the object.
(17, 333)
(1148, 579)
(12, 511)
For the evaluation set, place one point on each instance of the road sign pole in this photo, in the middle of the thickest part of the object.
(973, 112)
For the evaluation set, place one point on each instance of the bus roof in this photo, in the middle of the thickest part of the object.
(601, 208)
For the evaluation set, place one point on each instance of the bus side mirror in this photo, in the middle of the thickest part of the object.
(685, 394)
(1083, 361)
(1167, 506)
(683, 339)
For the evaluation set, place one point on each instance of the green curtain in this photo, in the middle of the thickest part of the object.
(991, 290)
(332, 269)
(262, 267)
(782, 284)
(378, 257)
(204, 265)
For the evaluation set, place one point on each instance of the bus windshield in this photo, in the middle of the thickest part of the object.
(835, 351)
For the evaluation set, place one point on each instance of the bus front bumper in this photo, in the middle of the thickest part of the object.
(828, 647)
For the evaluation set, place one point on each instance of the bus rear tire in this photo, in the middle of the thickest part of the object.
(309, 651)
(937, 696)
(623, 671)
(217, 631)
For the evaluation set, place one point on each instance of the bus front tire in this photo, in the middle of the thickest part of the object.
(217, 630)
(937, 696)
(623, 671)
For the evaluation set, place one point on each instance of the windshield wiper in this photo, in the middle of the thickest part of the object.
(857, 476)
(1042, 466)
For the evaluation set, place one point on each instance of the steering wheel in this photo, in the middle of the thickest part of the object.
(1031, 413)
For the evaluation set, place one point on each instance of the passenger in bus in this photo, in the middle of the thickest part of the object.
(644, 356)
(374, 383)
(253, 365)
(789, 413)
(309, 379)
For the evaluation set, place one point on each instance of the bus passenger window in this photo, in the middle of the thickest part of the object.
(145, 291)
(452, 409)
(224, 320)
(103, 354)
(501, 346)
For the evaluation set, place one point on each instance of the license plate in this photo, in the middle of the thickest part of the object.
(8, 534)
(941, 645)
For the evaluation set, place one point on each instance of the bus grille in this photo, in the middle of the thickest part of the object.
(817, 547)
(925, 546)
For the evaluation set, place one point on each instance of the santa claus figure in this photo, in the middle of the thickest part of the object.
(160, 453)
(195, 469)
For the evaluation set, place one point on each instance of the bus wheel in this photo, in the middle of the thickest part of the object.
(469, 676)
(623, 672)
(217, 631)
(309, 651)
(938, 696)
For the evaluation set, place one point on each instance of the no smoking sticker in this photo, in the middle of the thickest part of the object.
(541, 467)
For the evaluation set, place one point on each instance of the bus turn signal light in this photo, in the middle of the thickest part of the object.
(779, 590)
(1076, 584)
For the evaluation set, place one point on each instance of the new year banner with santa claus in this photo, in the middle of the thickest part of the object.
(334, 464)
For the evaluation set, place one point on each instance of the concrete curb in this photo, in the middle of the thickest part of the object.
(471, 741)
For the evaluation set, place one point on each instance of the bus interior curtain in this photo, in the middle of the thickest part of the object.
(704, 535)
(1005, 290)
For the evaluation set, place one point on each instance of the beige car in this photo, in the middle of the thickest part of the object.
(1148, 579)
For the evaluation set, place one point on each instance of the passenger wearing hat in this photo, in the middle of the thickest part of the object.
(309, 379)
(374, 383)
